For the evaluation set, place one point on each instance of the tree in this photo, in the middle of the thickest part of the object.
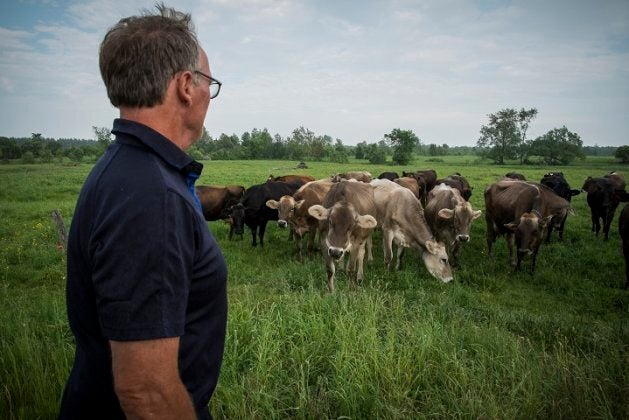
(403, 143)
(503, 137)
(103, 137)
(376, 153)
(339, 153)
(622, 153)
(361, 150)
(559, 146)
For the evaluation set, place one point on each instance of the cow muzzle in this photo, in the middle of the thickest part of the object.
(525, 252)
(463, 238)
(336, 253)
(282, 223)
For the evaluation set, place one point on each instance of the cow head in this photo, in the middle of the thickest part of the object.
(285, 209)
(435, 259)
(237, 216)
(342, 219)
(461, 218)
(529, 232)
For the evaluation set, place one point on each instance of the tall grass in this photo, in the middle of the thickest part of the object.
(493, 344)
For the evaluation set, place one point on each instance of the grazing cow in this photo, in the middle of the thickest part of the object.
(215, 199)
(236, 220)
(556, 182)
(293, 210)
(457, 181)
(257, 214)
(410, 183)
(362, 176)
(602, 197)
(347, 220)
(623, 229)
(401, 218)
(450, 217)
(521, 211)
(291, 179)
(515, 175)
(426, 179)
(391, 176)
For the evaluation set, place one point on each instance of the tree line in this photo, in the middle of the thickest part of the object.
(503, 138)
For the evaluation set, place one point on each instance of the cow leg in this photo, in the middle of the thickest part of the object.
(387, 246)
(596, 227)
(329, 266)
(563, 223)
(400, 254)
(625, 251)
(515, 260)
(261, 233)
(360, 258)
(454, 254)
(491, 236)
(549, 230)
(312, 234)
(299, 247)
(254, 232)
(369, 246)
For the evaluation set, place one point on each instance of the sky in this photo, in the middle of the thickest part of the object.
(353, 70)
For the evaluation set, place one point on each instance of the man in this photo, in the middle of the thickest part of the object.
(146, 290)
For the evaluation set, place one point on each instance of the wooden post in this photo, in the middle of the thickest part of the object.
(61, 229)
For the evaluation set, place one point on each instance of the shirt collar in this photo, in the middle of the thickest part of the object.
(131, 132)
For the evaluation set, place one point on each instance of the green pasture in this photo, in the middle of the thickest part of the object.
(491, 344)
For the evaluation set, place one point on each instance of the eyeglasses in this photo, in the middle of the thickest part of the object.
(215, 85)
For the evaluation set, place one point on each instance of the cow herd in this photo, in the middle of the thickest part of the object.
(417, 210)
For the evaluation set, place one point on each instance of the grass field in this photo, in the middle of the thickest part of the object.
(491, 344)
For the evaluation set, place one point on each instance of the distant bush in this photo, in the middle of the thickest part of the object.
(438, 160)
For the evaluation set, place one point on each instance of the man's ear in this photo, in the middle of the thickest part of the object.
(185, 84)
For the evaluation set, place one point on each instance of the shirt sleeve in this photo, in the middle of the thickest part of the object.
(143, 255)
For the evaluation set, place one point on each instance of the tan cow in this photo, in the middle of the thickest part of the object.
(450, 218)
(362, 176)
(410, 183)
(291, 179)
(293, 211)
(521, 211)
(347, 220)
(401, 217)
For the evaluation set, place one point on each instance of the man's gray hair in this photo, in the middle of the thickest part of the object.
(141, 54)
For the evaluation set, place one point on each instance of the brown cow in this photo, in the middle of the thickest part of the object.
(293, 210)
(457, 181)
(291, 179)
(347, 220)
(362, 176)
(215, 199)
(521, 210)
(515, 175)
(410, 183)
(426, 179)
(450, 218)
(401, 218)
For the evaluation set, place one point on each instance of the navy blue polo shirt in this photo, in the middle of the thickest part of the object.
(142, 264)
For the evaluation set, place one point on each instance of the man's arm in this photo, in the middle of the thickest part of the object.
(147, 381)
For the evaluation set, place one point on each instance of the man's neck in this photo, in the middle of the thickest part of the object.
(162, 120)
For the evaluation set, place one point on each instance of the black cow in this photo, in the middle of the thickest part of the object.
(603, 199)
(515, 175)
(556, 182)
(391, 176)
(623, 229)
(257, 214)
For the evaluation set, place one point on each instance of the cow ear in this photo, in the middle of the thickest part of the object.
(511, 226)
(318, 212)
(367, 221)
(272, 204)
(544, 221)
(298, 204)
(434, 247)
(476, 214)
(446, 214)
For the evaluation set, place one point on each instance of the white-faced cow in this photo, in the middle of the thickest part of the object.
(602, 197)
(362, 176)
(293, 212)
(257, 214)
(556, 182)
(450, 217)
(347, 220)
(401, 218)
(521, 211)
